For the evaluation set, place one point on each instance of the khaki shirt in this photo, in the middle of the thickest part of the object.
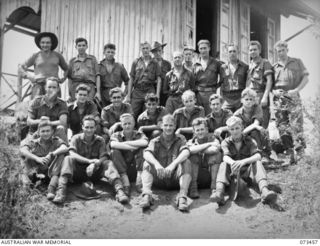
(207, 77)
(257, 75)
(109, 115)
(145, 119)
(85, 70)
(115, 78)
(145, 75)
(184, 119)
(39, 107)
(96, 149)
(165, 152)
(176, 86)
(289, 76)
(236, 81)
(41, 148)
(248, 148)
(215, 122)
(256, 113)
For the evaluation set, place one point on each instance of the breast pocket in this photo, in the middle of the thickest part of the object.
(90, 68)
(76, 67)
(151, 73)
(95, 152)
(257, 74)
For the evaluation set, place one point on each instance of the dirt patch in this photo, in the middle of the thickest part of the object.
(295, 216)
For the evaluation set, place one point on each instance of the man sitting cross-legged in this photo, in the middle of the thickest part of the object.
(241, 156)
(166, 165)
(81, 107)
(149, 121)
(251, 115)
(205, 155)
(127, 148)
(184, 116)
(217, 118)
(43, 156)
(110, 115)
(88, 161)
(51, 106)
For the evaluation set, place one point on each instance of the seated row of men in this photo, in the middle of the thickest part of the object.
(161, 160)
(167, 161)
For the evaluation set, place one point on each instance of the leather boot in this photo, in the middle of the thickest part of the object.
(218, 194)
(121, 196)
(61, 194)
(62, 190)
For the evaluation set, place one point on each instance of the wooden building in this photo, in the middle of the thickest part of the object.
(127, 23)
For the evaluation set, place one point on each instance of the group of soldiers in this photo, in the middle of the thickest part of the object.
(196, 124)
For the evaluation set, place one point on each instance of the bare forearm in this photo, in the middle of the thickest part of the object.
(158, 86)
(137, 143)
(98, 85)
(194, 149)
(130, 85)
(61, 150)
(268, 86)
(149, 157)
(223, 128)
(212, 150)
(33, 122)
(303, 83)
(26, 153)
(121, 146)
(184, 154)
(249, 128)
(251, 159)
(186, 130)
(228, 160)
(79, 158)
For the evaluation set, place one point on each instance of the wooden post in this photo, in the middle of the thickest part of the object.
(19, 88)
(1, 51)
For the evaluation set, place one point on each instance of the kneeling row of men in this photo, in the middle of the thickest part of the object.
(167, 161)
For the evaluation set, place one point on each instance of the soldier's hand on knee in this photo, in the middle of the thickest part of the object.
(90, 170)
(168, 171)
(160, 172)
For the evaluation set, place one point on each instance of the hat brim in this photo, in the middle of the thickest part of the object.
(53, 37)
(160, 46)
(80, 195)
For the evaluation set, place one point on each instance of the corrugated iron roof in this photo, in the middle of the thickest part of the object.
(26, 17)
(300, 8)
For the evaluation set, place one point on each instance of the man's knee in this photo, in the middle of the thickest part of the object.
(61, 132)
(109, 170)
(195, 159)
(155, 133)
(215, 159)
(116, 153)
(185, 168)
(67, 165)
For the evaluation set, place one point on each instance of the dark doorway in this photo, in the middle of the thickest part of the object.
(207, 17)
(258, 30)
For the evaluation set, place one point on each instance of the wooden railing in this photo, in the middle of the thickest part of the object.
(20, 96)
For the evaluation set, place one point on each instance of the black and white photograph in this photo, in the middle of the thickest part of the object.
(159, 119)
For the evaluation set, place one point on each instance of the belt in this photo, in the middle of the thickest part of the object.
(40, 81)
(206, 89)
(143, 86)
(83, 81)
(232, 92)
